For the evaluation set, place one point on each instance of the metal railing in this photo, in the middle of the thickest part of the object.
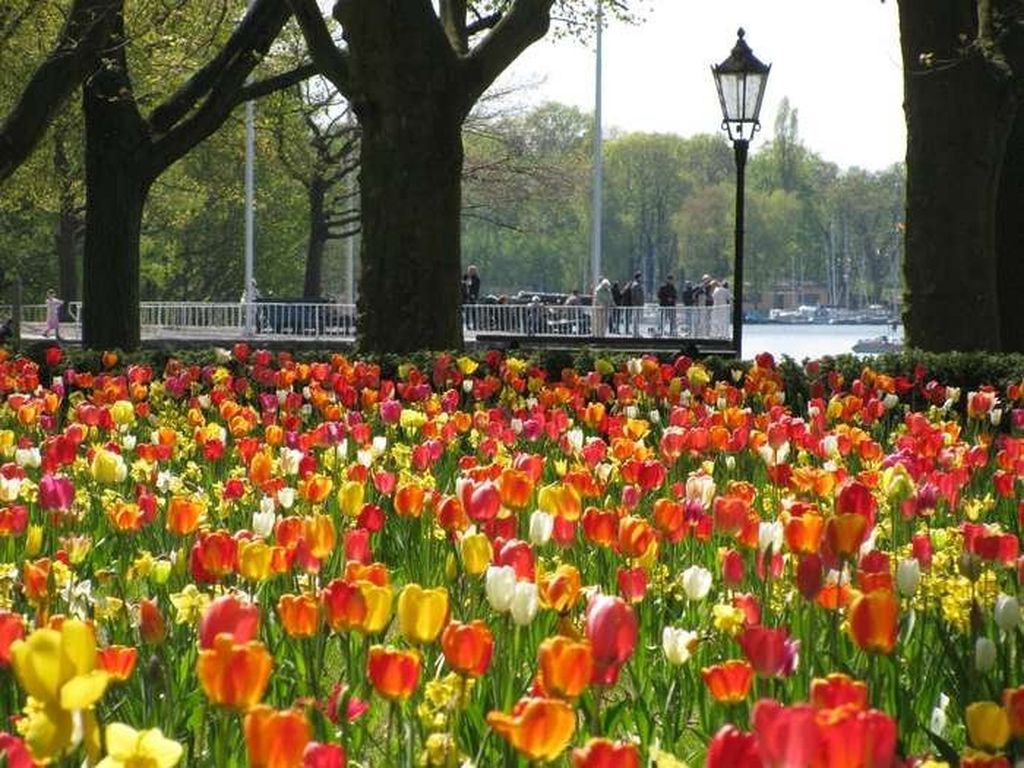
(335, 320)
(648, 321)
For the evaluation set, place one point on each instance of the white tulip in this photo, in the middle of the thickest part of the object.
(27, 457)
(286, 497)
(542, 525)
(290, 459)
(1007, 612)
(524, 603)
(263, 521)
(908, 576)
(984, 654)
(696, 582)
(679, 644)
(500, 585)
(770, 535)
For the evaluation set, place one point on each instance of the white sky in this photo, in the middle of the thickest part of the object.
(838, 61)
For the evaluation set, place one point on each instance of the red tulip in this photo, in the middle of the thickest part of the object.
(319, 755)
(605, 753)
(839, 690)
(229, 615)
(612, 631)
(772, 652)
(12, 628)
(732, 748)
(786, 736)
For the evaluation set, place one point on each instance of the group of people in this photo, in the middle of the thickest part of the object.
(711, 300)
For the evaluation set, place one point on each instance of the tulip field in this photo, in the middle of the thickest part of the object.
(264, 562)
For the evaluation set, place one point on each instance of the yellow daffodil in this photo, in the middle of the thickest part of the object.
(127, 748)
(58, 672)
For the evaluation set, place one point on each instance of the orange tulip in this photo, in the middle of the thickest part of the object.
(516, 488)
(468, 647)
(152, 626)
(566, 666)
(118, 661)
(839, 690)
(276, 739)
(605, 753)
(409, 498)
(635, 536)
(559, 589)
(538, 728)
(315, 488)
(234, 675)
(873, 617)
(184, 514)
(300, 614)
(803, 533)
(845, 533)
(125, 516)
(729, 682)
(320, 535)
(393, 673)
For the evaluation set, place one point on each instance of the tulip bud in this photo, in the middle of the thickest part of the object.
(984, 654)
(1007, 612)
(908, 576)
(500, 585)
(696, 582)
(542, 525)
(524, 603)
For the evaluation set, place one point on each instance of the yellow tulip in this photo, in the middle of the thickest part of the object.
(255, 558)
(58, 672)
(422, 613)
(122, 412)
(108, 467)
(378, 607)
(987, 725)
(350, 498)
(476, 553)
(127, 747)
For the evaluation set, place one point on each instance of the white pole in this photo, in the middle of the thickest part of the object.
(250, 220)
(595, 205)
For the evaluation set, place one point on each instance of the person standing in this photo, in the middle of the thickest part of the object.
(618, 300)
(721, 301)
(603, 306)
(53, 305)
(635, 292)
(667, 302)
(473, 288)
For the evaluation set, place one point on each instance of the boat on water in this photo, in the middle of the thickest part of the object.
(877, 345)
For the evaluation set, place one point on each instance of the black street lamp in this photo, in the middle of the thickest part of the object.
(740, 80)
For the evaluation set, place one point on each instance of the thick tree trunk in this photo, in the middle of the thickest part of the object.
(319, 232)
(411, 105)
(1010, 239)
(958, 120)
(117, 184)
(410, 180)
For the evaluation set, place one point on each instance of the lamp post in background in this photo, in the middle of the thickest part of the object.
(740, 80)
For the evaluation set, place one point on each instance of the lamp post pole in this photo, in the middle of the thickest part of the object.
(250, 206)
(598, 182)
(739, 147)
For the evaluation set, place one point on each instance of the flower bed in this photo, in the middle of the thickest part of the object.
(268, 562)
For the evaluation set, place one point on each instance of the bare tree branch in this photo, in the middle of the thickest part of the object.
(279, 82)
(331, 61)
(72, 57)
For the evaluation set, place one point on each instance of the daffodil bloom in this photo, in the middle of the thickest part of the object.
(127, 747)
(58, 672)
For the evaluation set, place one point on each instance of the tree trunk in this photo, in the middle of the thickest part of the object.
(319, 232)
(410, 180)
(1010, 239)
(116, 188)
(958, 120)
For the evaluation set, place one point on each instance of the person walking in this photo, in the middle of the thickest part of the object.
(53, 305)
(667, 302)
(604, 304)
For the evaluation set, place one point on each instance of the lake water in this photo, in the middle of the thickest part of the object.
(803, 341)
